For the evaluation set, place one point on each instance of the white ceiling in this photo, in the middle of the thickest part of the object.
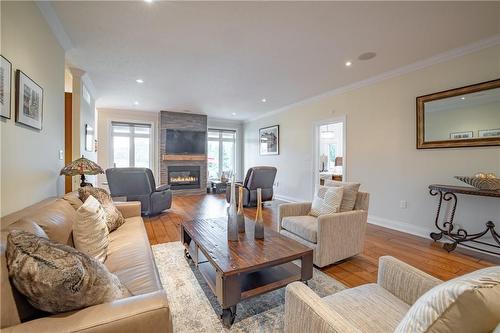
(223, 57)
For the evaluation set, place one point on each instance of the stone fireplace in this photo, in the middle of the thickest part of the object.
(185, 173)
(184, 177)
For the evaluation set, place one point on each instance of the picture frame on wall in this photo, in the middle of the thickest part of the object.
(29, 101)
(5, 87)
(461, 135)
(269, 140)
(491, 133)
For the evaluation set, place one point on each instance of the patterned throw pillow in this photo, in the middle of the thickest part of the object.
(90, 233)
(114, 218)
(468, 303)
(326, 201)
(58, 278)
(350, 193)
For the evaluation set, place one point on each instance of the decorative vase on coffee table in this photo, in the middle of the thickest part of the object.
(232, 223)
(259, 222)
(240, 217)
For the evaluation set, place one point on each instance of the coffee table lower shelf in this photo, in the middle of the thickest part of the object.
(258, 282)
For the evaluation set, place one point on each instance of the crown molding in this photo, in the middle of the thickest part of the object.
(55, 24)
(439, 58)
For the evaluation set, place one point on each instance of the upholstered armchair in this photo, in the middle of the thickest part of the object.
(368, 308)
(257, 177)
(332, 237)
(138, 184)
(403, 300)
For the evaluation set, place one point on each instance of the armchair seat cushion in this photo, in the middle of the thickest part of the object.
(305, 227)
(369, 307)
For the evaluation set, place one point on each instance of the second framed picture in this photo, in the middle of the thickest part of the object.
(5, 87)
(29, 101)
(269, 140)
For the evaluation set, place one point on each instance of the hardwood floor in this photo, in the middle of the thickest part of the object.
(419, 252)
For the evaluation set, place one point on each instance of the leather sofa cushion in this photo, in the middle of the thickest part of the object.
(131, 259)
(305, 227)
(56, 219)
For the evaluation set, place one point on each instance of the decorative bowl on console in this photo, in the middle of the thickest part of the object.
(482, 183)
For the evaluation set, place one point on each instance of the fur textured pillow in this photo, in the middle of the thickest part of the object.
(90, 233)
(57, 278)
(114, 218)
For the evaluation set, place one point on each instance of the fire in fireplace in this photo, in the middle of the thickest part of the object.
(184, 177)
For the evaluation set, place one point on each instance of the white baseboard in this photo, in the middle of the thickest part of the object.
(286, 198)
(400, 226)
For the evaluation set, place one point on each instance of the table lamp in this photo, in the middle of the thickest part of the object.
(81, 166)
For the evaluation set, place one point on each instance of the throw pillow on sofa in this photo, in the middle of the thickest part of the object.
(350, 193)
(114, 218)
(58, 278)
(326, 201)
(90, 232)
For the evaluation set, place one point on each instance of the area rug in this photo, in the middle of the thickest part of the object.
(194, 308)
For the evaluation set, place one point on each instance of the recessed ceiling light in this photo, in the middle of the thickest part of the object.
(263, 100)
(139, 81)
(136, 103)
(148, 1)
(462, 98)
(348, 63)
(234, 113)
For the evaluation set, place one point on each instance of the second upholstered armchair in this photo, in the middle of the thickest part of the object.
(333, 237)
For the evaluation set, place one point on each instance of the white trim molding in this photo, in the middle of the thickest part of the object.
(400, 226)
(286, 198)
(439, 58)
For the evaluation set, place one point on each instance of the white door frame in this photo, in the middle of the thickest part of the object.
(316, 127)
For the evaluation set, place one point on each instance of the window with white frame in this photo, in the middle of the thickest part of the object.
(221, 152)
(131, 145)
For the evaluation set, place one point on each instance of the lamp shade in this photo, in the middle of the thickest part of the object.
(81, 166)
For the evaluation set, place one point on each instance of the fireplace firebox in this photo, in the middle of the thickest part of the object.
(184, 177)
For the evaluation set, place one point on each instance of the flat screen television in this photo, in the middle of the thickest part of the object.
(183, 142)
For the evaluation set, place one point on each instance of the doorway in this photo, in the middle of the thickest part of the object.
(329, 151)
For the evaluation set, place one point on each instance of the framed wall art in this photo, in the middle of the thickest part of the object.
(5, 87)
(29, 101)
(269, 140)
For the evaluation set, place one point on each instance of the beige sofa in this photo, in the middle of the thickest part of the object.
(129, 257)
(332, 237)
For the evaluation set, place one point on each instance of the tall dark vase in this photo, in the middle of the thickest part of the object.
(232, 224)
(259, 222)
(240, 217)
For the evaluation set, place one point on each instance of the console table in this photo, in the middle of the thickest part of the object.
(448, 193)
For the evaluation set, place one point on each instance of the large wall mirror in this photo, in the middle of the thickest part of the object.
(462, 117)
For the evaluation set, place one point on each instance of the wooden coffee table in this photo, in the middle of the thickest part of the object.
(239, 270)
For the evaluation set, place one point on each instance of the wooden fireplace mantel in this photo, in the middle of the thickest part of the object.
(169, 157)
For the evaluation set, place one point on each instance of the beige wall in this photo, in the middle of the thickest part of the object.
(381, 151)
(30, 161)
(105, 117)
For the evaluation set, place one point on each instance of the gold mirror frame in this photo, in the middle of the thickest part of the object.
(475, 142)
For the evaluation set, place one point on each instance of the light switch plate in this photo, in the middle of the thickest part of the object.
(61, 154)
